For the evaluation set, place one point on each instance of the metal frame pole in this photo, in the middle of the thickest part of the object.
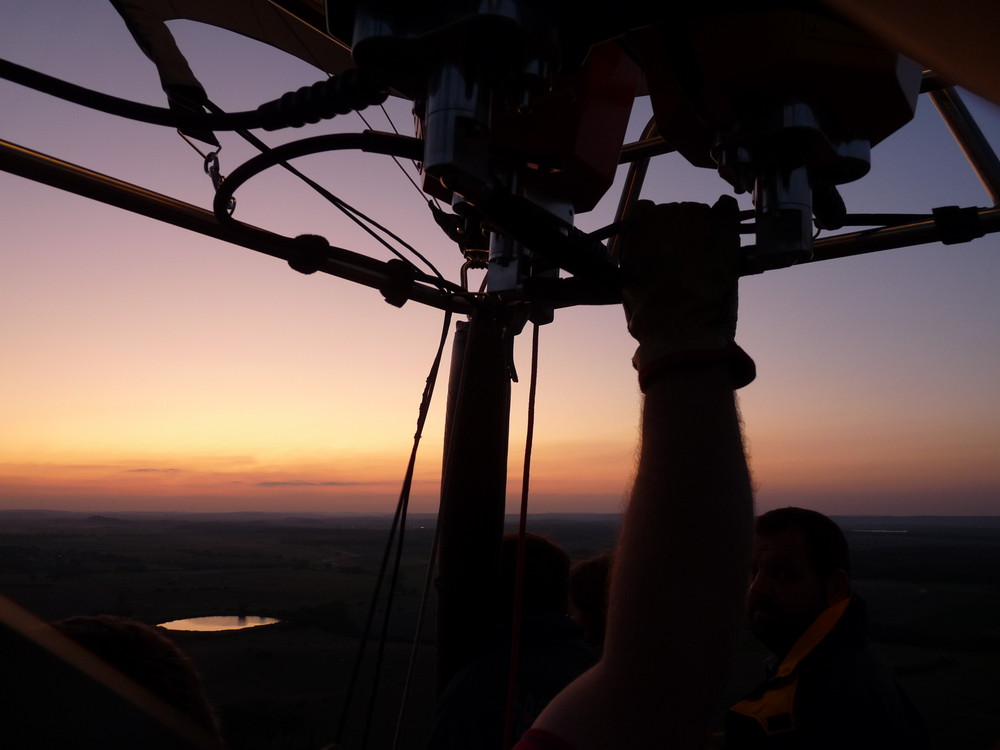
(970, 138)
(888, 238)
(72, 178)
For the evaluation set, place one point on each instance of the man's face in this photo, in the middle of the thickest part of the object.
(786, 594)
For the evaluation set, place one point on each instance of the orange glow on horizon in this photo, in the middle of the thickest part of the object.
(148, 367)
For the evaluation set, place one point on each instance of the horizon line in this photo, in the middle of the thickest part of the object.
(388, 514)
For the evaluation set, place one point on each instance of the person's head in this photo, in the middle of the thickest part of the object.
(800, 566)
(141, 652)
(546, 576)
(588, 597)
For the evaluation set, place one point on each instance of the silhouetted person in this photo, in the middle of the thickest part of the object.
(825, 687)
(588, 597)
(97, 682)
(472, 710)
(143, 653)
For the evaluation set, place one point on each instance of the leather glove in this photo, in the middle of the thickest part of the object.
(680, 268)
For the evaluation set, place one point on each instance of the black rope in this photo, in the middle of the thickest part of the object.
(398, 521)
(417, 636)
(366, 633)
(387, 613)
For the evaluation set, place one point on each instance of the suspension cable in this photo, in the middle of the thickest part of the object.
(396, 159)
(387, 613)
(368, 141)
(417, 636)
(399, 519)
(364, 222)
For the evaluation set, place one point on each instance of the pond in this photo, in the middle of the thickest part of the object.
(218, 622)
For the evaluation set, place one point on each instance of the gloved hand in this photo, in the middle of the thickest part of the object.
(680, 267)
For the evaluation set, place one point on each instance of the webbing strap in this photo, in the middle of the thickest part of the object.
(773, 708)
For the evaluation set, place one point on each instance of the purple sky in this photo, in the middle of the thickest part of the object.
(146, 367)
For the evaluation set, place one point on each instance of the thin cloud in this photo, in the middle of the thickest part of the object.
(302, 483)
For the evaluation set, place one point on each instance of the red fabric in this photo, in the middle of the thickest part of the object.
(539, 739)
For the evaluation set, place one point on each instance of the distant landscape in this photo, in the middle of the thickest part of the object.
(932, 585)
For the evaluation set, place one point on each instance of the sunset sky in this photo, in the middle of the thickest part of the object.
(148, 368)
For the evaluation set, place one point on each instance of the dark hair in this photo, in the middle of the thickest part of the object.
(825, 542)
(141, 652)
(546, 575)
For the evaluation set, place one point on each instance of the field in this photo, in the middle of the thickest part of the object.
(932, 586)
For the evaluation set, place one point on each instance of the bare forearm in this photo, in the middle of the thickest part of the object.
(680, 574)
(686, 534)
